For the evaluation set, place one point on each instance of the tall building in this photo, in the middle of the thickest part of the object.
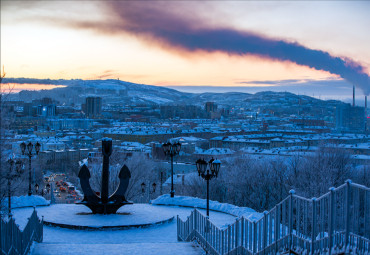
(46, 110)
(181, 111)
(93, 106)
(29, 109)
(349, 118)
(210, 107)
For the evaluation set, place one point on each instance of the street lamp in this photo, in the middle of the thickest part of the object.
(143, 186)
(11, 175)
(36, 188)
(29, 153)
(48, 187)
(203, 171)
(171, 150)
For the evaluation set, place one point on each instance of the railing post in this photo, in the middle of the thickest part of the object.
(276, 228)
(188, 227)
(242, 231)
(236, 233)
(348, 194)
(195, 220)
(331, 217)
(42, 228)
(290, 217)
(222, 242)
(178, 230)
(313, 228)
(264, 244)
(228, 238)
(254, 236)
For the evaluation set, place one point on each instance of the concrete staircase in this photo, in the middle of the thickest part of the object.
(117, 249)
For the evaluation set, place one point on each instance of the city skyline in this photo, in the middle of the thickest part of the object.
(189, 44)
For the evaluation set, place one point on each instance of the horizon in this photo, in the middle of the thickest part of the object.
(343, 89)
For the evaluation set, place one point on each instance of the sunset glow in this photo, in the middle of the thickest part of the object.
(103, 40)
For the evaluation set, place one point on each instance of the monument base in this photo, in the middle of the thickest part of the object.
(75, 216)
(108, 208)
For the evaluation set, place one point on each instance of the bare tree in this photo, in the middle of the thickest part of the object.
(141, 168)
(362, 175)
(6, 119)
(328, 167)
(261, 182)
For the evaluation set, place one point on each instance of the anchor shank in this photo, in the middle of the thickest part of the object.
(107, 151)
(105, 180)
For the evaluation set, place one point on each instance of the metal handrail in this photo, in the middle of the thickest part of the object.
(15, 241)
(336, 222)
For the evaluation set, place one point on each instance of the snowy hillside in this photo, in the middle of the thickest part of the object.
(127, 93)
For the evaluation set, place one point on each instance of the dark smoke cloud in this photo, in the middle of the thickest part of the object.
(172, 26)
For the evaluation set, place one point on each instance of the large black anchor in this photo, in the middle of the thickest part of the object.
(104, 204)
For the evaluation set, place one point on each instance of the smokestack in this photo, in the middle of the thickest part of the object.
(353, 103)
(365, 106)
(365, 113)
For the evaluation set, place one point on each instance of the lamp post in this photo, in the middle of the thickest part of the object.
(30, 154)
(206, 174)
(48, 187)
(36, 188)
(143, 186)
(161, 187)
(10, 176)
(171, 150)
(142, 191)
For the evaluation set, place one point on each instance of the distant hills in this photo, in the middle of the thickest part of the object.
(127, 93)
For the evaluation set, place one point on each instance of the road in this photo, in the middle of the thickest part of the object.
(61, 191)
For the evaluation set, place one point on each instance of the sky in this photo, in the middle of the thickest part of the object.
(319, 48)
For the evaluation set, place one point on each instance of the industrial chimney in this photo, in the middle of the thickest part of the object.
(365, 113)
(353, 103)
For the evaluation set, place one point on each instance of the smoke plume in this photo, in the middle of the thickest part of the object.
(181, 30)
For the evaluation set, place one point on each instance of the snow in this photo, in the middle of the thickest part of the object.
(26, 201)
(157, 100)
(80, 215)
(214, 151)
(117, 249)
(182, 179)
(213, 205)
(159, 239)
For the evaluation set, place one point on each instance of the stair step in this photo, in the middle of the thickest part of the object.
(117, 249)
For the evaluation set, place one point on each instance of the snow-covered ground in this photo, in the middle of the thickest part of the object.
(159, 239)
(129, 215)
(213, 205)
(26, 201)
(119, 249)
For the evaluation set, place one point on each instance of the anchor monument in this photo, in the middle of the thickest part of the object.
(104, 204)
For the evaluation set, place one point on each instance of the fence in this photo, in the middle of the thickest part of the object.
(13, 241)
(337, 222)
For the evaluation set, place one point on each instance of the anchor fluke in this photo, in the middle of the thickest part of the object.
(84, 172)
(103, 204)
(124, 178)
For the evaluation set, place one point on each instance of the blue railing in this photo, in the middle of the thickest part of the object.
(337, 222)
(14, 241)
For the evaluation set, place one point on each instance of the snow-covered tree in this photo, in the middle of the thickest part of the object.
(261, 182)
(328, 167)
(141, 167)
